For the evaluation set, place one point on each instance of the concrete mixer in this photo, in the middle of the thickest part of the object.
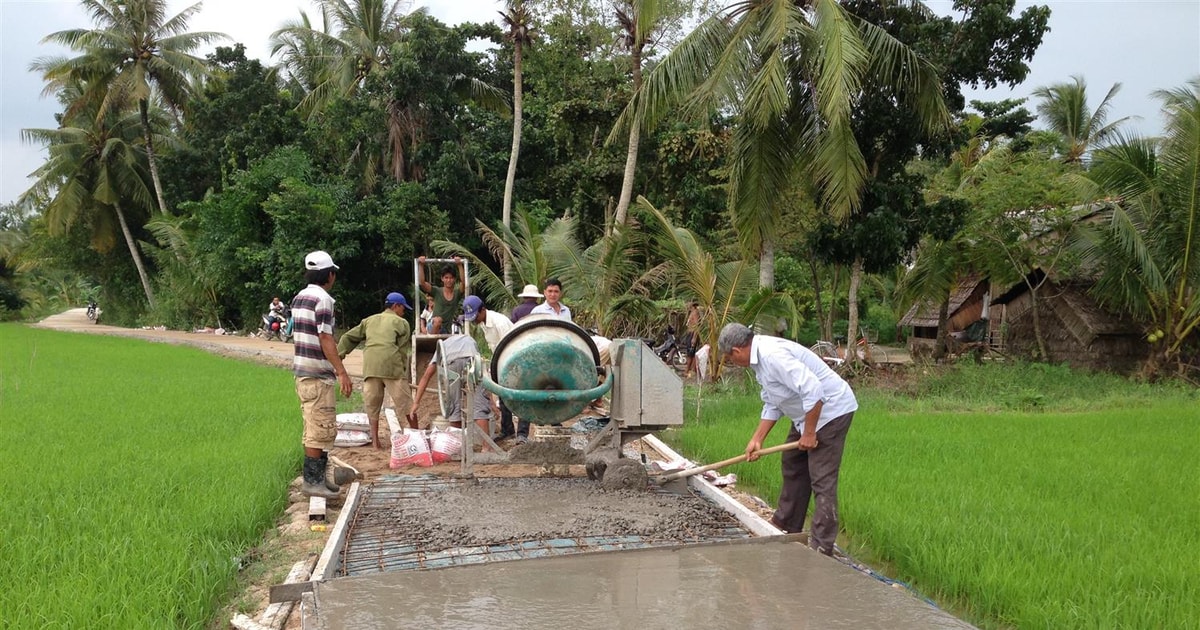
(547, 370)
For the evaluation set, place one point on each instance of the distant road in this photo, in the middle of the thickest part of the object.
(277, 353)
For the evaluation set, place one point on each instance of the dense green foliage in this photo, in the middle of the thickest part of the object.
(1025, 496)
(151, 469)
(382, 131)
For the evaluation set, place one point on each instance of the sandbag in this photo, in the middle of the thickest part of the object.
(410, 448)
(445, 444)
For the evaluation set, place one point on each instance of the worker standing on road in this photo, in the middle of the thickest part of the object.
(552, 305)
(529, 299)
(460, 351)
(796, 383)
(385, 338)
(495, 326)
(317, 367)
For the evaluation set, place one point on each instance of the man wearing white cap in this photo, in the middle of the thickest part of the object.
(529, 299)
(317, 367)
(385, 338)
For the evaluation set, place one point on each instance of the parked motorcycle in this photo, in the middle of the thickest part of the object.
(673, 350)
(276, 327)
(93, 311)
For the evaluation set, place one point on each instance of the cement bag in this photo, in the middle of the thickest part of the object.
(353, 422)
(410, 448)
(445, 444)
(351, 438)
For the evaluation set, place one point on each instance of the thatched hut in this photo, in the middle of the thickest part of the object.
(968, 303)
(1075, 329)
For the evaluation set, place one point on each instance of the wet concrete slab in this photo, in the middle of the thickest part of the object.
(757, 584)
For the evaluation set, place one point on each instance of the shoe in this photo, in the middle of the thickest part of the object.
(329, 484)
(776, 524)
(521, 439)
(314, 479)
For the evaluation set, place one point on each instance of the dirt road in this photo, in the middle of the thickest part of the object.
(276, 353)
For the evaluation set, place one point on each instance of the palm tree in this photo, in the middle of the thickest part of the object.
(726, 292)
(304, 50)
(518, 20)
(135, 53)
(95, 173)
(791, 72)
(1148, 254)
(1064, 107)
(637, 19)
(359, 46)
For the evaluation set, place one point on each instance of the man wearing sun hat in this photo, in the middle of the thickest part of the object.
(385, 338)
(318, 371)
(529, 299)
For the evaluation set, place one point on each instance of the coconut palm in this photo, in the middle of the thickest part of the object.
(135, 53)
(637, 19)
(726, 292)
(791, 71)
(1148, 254)
(607, 287)
(518, 22)
(95, 173)
(304, 49)
(1064, 108)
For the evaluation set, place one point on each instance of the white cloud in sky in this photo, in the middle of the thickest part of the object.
(1145, 44)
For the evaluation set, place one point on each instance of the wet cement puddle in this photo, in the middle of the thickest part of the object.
(747, 584)
(407, 523)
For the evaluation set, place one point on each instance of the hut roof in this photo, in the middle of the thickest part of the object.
(925, 312)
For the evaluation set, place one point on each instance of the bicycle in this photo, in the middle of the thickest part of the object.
(834, 354)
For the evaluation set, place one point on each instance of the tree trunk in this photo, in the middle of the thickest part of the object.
(133, 251)
(766, 264)
(941, 346)
(1037, 326)
(816, 286)
(631, 153)
(144, 111)
(856, 272)
(396, 139)
(510, 180)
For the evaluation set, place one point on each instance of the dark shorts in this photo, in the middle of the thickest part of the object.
(692, 339)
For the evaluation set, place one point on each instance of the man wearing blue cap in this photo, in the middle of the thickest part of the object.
(385, 338)
(495, 326)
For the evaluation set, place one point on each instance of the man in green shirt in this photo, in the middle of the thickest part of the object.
(385, 338)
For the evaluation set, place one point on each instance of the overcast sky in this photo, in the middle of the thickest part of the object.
(1144, 44)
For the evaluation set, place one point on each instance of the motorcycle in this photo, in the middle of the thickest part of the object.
(277, 326)
(93, 311)
(673, 351)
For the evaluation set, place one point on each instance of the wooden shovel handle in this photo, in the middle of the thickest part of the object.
(726, 462)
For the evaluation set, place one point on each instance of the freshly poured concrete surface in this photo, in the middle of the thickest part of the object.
(755, 585)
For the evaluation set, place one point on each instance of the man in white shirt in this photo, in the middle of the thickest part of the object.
(796, 383)
(495, 326)
(552, 305)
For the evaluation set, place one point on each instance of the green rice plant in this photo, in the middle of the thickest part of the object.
(144, 474)
(1050, 519)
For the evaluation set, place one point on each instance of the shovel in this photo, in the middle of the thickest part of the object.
(676, 481)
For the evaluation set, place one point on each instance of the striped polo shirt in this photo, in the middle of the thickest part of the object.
(312, 314)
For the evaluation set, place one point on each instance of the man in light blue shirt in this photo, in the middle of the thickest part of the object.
(796, 383)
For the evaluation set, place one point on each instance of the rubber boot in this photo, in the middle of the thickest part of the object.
(329, 484)
(314, 479)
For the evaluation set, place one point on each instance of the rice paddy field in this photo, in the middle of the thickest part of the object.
(139, 476)
(1014, 496)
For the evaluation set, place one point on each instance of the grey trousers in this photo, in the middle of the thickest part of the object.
(809, 473)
